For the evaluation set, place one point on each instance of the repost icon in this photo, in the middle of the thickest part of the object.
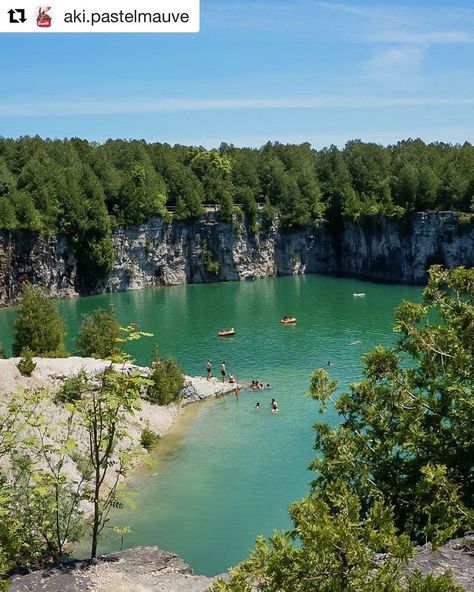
(17, 15)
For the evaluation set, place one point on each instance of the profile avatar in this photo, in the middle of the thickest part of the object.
(43, 19)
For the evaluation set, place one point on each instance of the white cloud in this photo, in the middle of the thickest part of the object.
(365, 12)
(396, 64)
(422, 38)
(147, 106)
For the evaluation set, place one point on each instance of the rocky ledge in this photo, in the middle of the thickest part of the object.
(456, 556)
(142, 569)
(149, 569)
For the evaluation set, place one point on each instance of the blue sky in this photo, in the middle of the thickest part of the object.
(295, 71)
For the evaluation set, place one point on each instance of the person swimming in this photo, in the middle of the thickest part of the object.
(257, 406)
(274, 406)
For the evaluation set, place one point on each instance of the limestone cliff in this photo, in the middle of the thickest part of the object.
(157, 253)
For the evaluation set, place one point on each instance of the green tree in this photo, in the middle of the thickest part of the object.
(26, 365)
(167, 381)
(37, 325)
(99, 334)
(8, 220)
(405, 429)
(111, 397)
(25, 211)
(408, 183)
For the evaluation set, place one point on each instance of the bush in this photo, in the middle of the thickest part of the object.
(38, 325)
(26, 365)
(168, 381)
(149, 439)
(99, 334)
(210, 264)
(3, 354)
(73, 388)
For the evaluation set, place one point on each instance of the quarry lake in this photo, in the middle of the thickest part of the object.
(226, 473)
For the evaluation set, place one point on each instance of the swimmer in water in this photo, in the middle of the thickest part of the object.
(257, 406)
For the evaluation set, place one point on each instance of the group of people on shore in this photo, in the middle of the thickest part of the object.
(223, 370)
(256, 384)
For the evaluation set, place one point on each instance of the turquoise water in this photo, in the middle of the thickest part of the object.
(227, 473)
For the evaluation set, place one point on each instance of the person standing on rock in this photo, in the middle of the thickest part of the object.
(209, 369)
(223, 371)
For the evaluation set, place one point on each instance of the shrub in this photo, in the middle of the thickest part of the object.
(149, 439)
(168, 381)
(3, 354)
(26, 365)
(210, 264)
(37, 325)
(99, 334)
(73, 388)
(464, 219)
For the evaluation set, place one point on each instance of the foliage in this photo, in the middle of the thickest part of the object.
(38, 507)
(37, 325)
(73, 388)
(99, 334)
(167, 381)
(465, 219)
(40, 504)
(111, 397)
(405, 428)
(397, 469)
(3, 353)
(149, 439)
(26, 365)
(210, 264)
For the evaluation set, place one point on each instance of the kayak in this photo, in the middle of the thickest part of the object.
(288, 321)
(227, 333)
(358, 294)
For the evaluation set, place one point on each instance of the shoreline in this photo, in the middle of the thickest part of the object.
(50, 374)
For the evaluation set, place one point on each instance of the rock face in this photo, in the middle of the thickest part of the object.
(157, 253)
(45, 261)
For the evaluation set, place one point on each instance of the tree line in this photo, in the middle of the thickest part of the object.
(83, 189)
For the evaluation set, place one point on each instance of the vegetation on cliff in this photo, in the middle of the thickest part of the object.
(84, 190)
(397, 470)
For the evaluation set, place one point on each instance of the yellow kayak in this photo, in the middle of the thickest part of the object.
(227, 332)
